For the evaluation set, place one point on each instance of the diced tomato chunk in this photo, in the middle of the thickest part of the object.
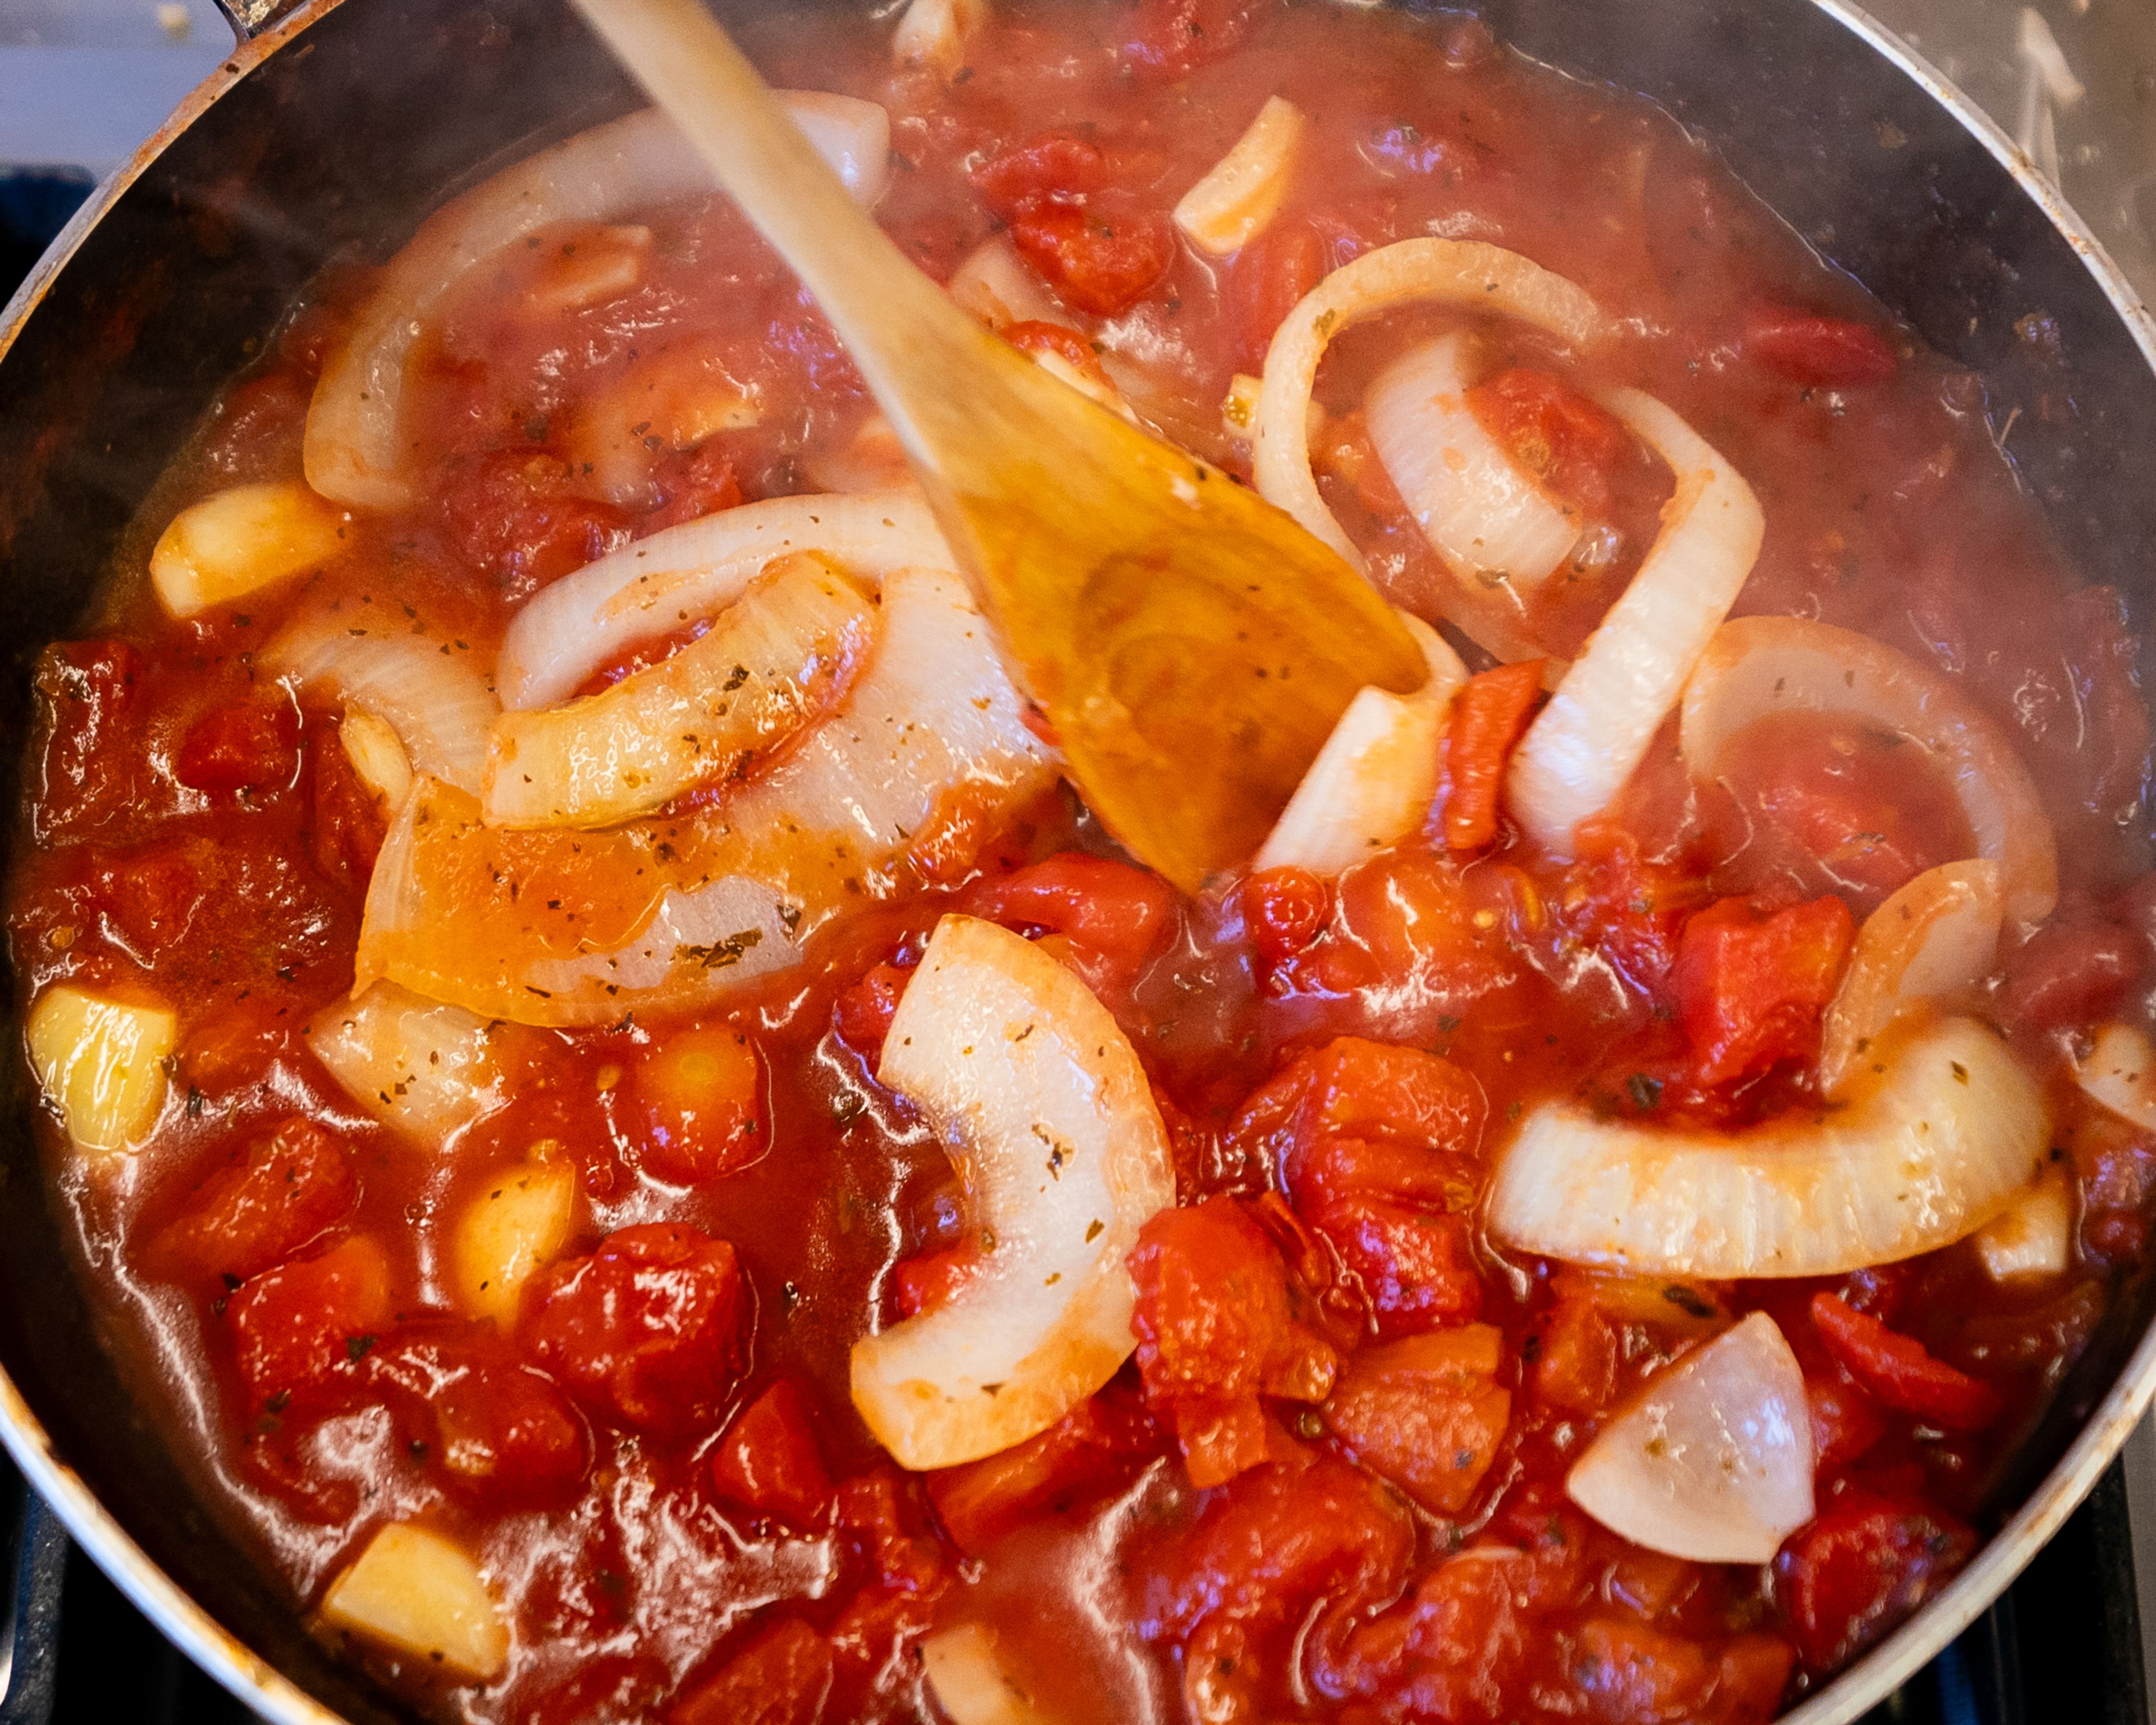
(1819, 352)
(90, 762)
(1632, 910)
(1266, 280)
(279, 1195)
(254, 746)
(1171, 39)
(1285, 910)
(1426, 1413)
(1575, 1356)
(2070, 974)
(1488, 718)
(1453, 1649)
(1353, 1087)
(1898, 1371)
(499, 1436)
(1115, 917)
(299, 1328)
(1101, 256)
(1567, 440)
(1095, 1448)
(1751, 989)
(1217, 1326)
(346, 824)
(1864, 1563)
(933, 1279)
(781, 1677)
(694, 483)
(862, 1015)
(1056, 164)
(513, 515)
(1845, 1423)
(887, 1526)
(1416, 1265)
(769, 1461)
(646, 1331)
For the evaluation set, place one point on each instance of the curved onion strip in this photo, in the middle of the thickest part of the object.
(1584, 745)
(1046, 1114)
(423, 685)
(2032, 1239)
(1491, 523)
(1937, 1146)
(998, 287)
(657, 585)
(769, 664)
(1484, 279)
(1758, 665)
(427, 1070)
(2120, 1072)
(1241, 194)
(1372, 783)
(922, 761)
(1713, 1460)
(1936, 936)
(354, 446)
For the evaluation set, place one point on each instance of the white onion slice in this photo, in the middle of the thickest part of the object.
(355, 445)
(2032, 1240)
(1928, 1151)
(1584, 745)
(1040, 1102)
(1759, 666)
(658, 585)
(734, 694)
(423, 684)
(1936, 936)
(2120, 1072)
(426, 1069)
(1713, 1460)
(1494, 526)
(1372, 783)
(935, 32)
(1241, 192)
(672, 914)
(1486, 279)
(998, 288)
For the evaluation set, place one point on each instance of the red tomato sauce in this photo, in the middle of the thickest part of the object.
(1329, 1483)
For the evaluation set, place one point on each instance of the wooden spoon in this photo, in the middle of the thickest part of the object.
(1190, 643)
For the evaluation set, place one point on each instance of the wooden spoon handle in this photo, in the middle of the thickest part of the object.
(900, 329)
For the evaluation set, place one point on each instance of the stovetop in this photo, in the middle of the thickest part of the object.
(81, 81)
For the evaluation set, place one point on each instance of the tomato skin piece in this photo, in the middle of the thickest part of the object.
(279, 1196)
(1819, 352)
(1056, 164)
(1897, 1371)
(1217, 1326)
(1171, 39)
(862, 1014)
(769, 1460)
(253, 745)
(499, 1436)
(1097, 1447)
(1566, 441)
(302, 1327)
(1101, 256)
(1489, 714)
(1354, 1087)
(1750, 989)
(646, 1331)
(511, 514)
(781, 1677)
(1268, 279)
(1285, 910)
(1115, 917)
(1862, 1565)
(2067, 975)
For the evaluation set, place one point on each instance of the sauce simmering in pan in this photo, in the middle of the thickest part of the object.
(660, 1163)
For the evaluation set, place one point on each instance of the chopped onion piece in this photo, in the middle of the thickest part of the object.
(1584, 745)
(1496, 529)
(1045, 1113)
(968, 1678)
(356, 445)
(873, 459)
(1935, 937)
(772, 662)
(935, 32)
(102, 1063)
(376, 754)
(423, 684)
(1759, 666)
(425, 1069)
(674, 578)
(1238, 197)
(1713, 1460)
(1486, 279)
(1239, 408)
(242, 540)
(2120, 1072)
(998, 287)
(921, 762)
(671, 399)
(1372, 783)
(2032, 1240)
(417, 1593)
(515, 1227)
(1922, 1155)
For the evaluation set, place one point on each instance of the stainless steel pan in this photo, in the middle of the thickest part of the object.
(342, 124)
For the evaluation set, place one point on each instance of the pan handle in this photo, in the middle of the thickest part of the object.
(250, 18)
